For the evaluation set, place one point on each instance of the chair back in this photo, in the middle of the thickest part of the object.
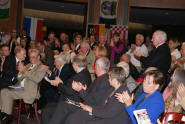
(173, 117)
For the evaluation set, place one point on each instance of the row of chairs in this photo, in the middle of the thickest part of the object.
(32, 108)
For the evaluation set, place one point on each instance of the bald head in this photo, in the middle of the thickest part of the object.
(125, 58)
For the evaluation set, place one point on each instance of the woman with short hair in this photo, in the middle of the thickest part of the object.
(151, 99)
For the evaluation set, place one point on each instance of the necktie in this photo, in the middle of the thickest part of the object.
(58, 73)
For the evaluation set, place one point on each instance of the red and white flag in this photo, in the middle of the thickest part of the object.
(121, 29)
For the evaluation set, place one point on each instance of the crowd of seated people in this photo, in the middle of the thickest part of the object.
(91, 80)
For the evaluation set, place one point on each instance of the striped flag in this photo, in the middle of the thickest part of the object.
(121, 29)
(4, 9)
(97, 29)
(33, 27)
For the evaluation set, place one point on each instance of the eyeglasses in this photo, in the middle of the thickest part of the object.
(33, 57)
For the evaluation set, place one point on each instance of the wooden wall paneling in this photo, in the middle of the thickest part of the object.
(96, 11)
(120, 12)
(173, 4)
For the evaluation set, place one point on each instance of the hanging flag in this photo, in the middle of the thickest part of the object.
(33, 27)
(4, 9)
(108, 12)
(97, 29)
(121, 29)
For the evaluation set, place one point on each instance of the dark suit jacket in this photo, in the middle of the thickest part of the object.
(49, 57)
(96, 91)
(66, 72)
(13, 47)
(66, 88)
(159, 57)
(133, 71)
(50, 93)
(111, 112)
(9, 72)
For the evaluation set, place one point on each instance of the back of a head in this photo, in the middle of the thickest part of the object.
(103, 63)
(80, 60)
(102, 51)
(118, 73)
(125, 66)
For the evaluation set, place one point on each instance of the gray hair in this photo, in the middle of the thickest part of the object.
(118, 73)
(60, 58)
(103, 63)
(85, 43)
(125, 66)
(80, 60)
(35, 51)
(18, 50)
(162, 35)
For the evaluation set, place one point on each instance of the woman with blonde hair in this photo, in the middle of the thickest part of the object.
(99, 51)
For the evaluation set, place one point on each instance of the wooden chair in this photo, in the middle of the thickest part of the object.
(173, 117)
(27, 107)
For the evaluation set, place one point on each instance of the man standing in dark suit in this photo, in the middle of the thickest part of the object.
(82, 75)
(10, 71)
(160, 57)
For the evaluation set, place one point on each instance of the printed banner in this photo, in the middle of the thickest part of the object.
(108, 9)
(4, 9)
(97, 29)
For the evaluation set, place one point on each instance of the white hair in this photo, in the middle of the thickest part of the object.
(60, 59)
(162, 35)
(125, 67)
(103, 63)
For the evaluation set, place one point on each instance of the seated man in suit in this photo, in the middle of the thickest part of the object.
(93, 96)
(29, 76)
(111, 112)
(9, 73)
(5, 53)
(86, 51)
(64, 71)
(82, 75)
